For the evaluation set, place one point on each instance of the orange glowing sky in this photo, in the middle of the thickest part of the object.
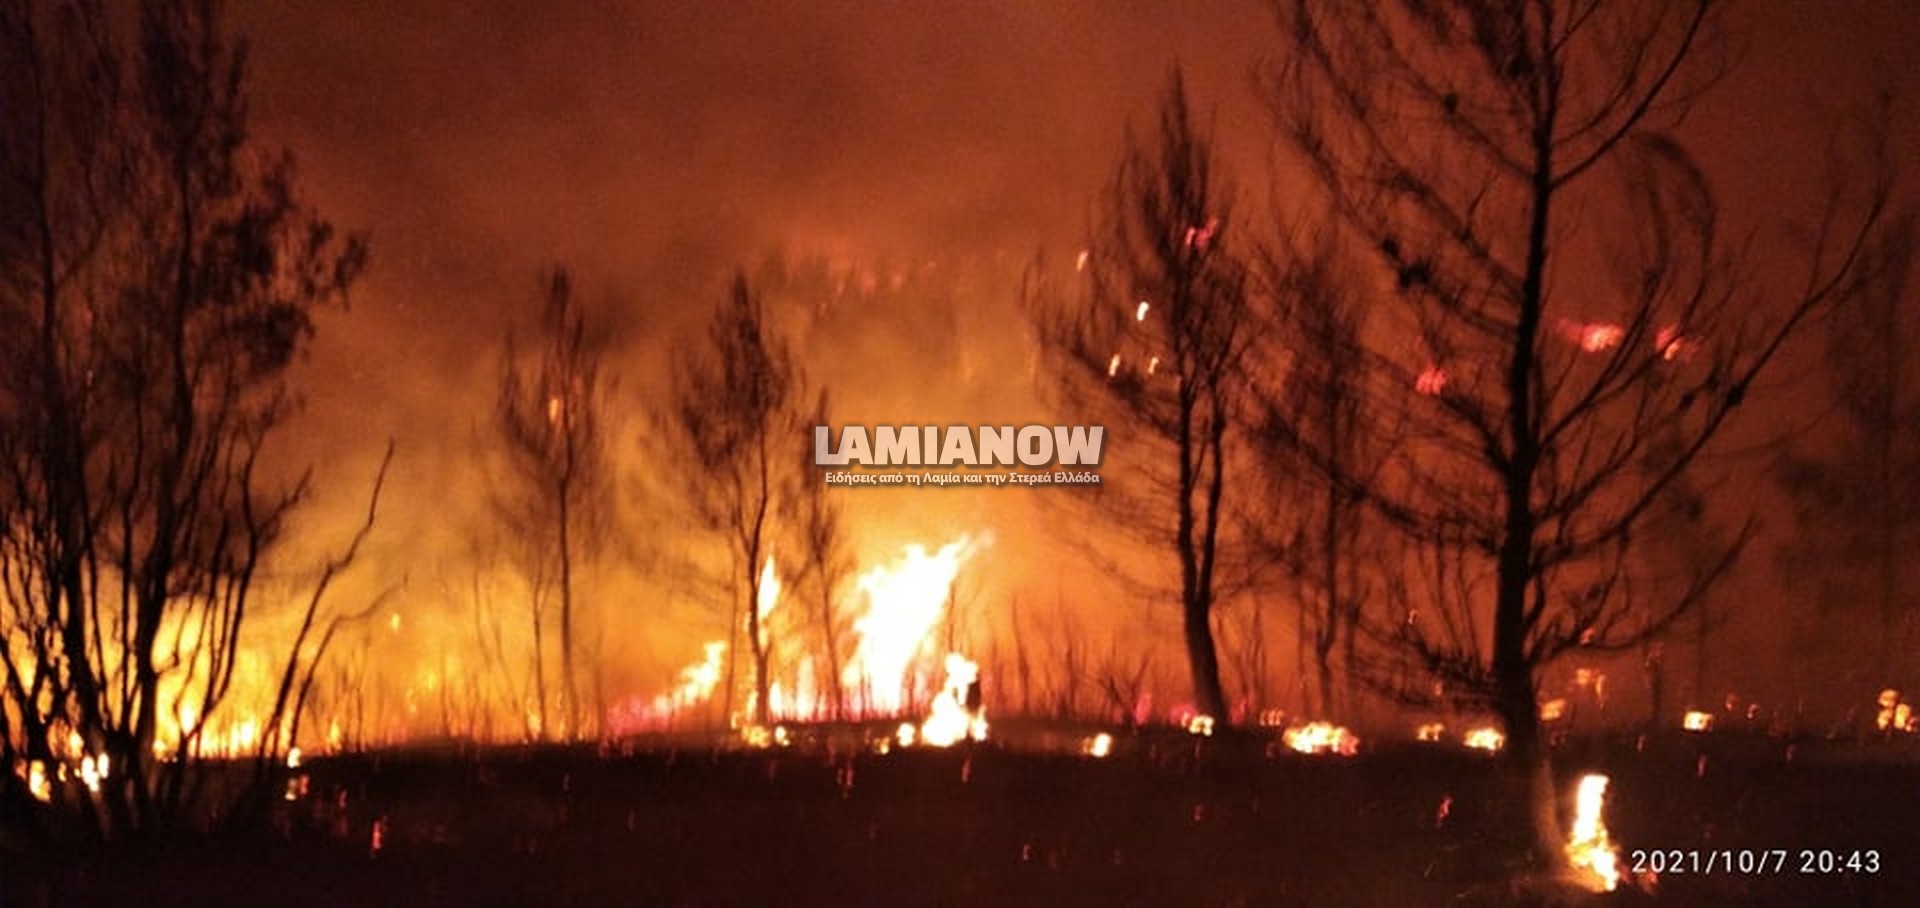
(654, 146)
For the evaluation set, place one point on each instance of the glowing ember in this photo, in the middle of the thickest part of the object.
(1113, 366)
(1199, 237)
(1697, 720)
(1431, 381)
(1322, 738)
(905, 603)
(1588, 848)
(1596, 338)
(1098, 746)
(1140, 312)
(1201, 725)
(1485, 738)
(1431, 731)
(951, 720)
(293, 758)
(1553, 710)
(1671, 343)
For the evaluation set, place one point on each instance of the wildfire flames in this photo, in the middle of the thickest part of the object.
(1589, 849)
(697, 682)
(1485, 738)
(905, 603)
(951, 719)
(1895, 713)
(1322, 738)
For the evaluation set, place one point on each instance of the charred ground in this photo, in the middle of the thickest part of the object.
(1165, 819)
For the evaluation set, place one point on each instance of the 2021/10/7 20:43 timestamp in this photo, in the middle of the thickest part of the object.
(1755, 861)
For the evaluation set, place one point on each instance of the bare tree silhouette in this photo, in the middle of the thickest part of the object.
(557, 500)
(158, 274)
(732, 412)
(1556, 385)
(816, 521)
(1155, 342)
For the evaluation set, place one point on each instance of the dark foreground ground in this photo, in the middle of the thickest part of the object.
(1165, 820)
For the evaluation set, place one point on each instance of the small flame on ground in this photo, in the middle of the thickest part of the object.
(1322, 738)
(1201, 725)
(1113, 366)
(1697, 720)
(1098, 746)
(1485, 738)
(1140, 313)
(1895, 713)
(762, 737)
(951, 720)
(1553, 710)
(1588, 848)
(1430, 732)
(38, 784)
(1431, 381)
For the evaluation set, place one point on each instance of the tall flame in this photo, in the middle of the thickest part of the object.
(1588, 847)
(905, 603)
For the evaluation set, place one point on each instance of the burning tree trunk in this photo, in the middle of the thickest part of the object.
(1157, 338)
(1453, 141)
(732, 410)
